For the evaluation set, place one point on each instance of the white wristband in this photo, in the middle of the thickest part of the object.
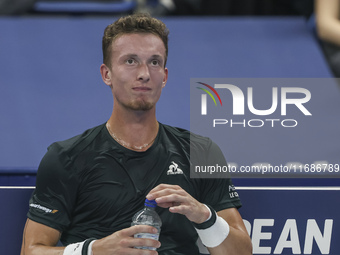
(77, 248)
(214, 235)
(89, 251)
(74, 249)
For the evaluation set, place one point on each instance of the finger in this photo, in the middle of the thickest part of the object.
(131, 231)
(167, 205)
(165, 192)
(174, 199)
(146, 242)
(133, 241)
(181, 209)
(162, 187)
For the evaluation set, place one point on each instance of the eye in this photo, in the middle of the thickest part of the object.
(155, 62)
(130, 61)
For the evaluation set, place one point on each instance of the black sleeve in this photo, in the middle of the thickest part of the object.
(56, 189)
(219, 192)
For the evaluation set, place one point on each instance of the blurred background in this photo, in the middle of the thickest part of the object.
(51, 89)
(162, 7)
(50, 53)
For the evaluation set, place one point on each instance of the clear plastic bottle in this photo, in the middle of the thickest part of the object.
(147, 216)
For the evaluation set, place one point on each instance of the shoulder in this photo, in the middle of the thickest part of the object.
(65, 152)
(76, 144)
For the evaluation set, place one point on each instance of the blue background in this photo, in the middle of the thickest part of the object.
(51, 89)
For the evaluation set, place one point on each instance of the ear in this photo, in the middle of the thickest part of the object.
(106, 74)
(165, 79)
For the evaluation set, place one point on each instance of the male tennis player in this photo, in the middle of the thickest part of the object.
(89, 187)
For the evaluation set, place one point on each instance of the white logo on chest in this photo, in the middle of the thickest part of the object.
(173, 169)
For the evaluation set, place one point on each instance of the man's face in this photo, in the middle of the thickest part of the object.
(137, 74)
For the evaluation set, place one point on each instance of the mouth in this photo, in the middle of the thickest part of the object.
(142, 89)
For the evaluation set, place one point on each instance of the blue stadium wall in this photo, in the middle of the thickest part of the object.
(51, 89)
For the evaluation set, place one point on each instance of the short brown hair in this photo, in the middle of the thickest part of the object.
(135, 23)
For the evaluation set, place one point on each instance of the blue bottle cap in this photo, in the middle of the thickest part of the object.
(150, 203)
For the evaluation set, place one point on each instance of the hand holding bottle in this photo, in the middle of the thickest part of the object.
(179, 201)
(123, 242)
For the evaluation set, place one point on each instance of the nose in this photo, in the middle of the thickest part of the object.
(143, 73)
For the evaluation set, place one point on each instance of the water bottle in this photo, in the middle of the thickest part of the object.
(147, 216)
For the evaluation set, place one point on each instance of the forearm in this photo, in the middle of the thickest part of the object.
(42, 250)
(329, 31)
(39, 239)
(79, 248)
(327, 20)
(225, 233)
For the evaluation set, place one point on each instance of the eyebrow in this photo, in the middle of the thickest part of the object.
(130, 55)
(157, 56)
(135, 55)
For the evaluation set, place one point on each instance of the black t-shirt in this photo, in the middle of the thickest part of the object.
(91, 186)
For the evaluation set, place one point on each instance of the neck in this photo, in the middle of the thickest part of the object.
(134, 130)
